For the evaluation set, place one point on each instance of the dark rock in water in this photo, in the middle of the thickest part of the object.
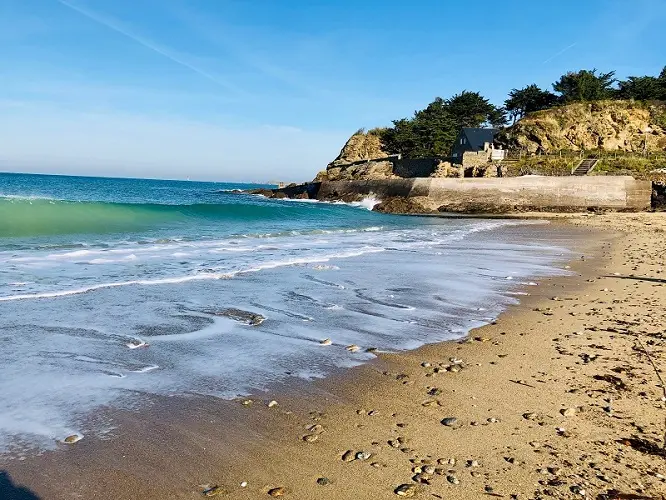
(307, 191)
(247, 317)
(401, 205)
(268, 193)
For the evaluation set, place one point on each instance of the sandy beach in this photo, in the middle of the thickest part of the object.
(560, 397)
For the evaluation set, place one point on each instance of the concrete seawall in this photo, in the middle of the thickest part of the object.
(622, 193)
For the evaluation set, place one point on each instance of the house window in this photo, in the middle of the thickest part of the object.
(462, 141)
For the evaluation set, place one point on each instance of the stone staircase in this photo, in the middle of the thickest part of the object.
(585, 166)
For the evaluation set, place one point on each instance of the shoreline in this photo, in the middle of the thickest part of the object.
(383, 401)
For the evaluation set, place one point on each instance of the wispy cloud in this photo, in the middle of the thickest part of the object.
(569, 47)
(237, 42)
(163, 51)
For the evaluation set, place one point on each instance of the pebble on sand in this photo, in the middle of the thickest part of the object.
(326, 342)
(277, 492)
(272, 403)
(310, 438)
(316, 428)
(323, 481)
(568, 412)
(353, 348)
(348, 456)
(74, 438)
(405, 490)
(449, 421)
(215, 491)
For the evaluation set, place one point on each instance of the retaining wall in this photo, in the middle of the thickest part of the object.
(622, 193)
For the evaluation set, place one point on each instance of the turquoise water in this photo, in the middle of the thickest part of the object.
(113, 288)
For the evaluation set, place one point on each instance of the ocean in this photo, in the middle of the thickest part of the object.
(113, 289)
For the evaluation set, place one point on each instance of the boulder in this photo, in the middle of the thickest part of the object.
(401, 205)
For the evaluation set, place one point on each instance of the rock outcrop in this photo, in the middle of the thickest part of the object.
(606, 125)
(402, 205)
(362, 157)
(360, 147)
(370, 170)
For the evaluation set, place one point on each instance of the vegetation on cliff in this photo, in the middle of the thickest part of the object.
(430, 132)
(624, 126)
(587, 112)
(585, 86)
(650, 167)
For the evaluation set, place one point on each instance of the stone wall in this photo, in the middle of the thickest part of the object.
(503, 194)
(472, 159)
(415, 167)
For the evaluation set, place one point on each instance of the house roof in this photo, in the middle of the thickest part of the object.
(477, 137)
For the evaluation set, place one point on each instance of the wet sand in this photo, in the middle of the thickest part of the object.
(558, 398)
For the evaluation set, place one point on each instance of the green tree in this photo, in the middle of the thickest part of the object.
(471, 109)
(433, 130)
(400, 138)
(527, 100)
(641, 88)
(585, 85)
(662, 84)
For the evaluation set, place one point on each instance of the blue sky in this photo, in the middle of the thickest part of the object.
(259, 89)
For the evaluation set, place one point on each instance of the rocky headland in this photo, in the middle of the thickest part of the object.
(617, 126)
(627, 138)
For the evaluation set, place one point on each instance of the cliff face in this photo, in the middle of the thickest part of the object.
(353, 160)
(369, 170)
(607, 125)
(360, 146)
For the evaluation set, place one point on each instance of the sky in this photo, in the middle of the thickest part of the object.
(257, 90)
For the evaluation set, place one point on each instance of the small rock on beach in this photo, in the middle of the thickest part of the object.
(215, 491)
(74, 438)
(406, 490)
(449, 421)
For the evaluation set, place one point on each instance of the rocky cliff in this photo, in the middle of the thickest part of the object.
(360, 158)
(360, 146)
(606, 125)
